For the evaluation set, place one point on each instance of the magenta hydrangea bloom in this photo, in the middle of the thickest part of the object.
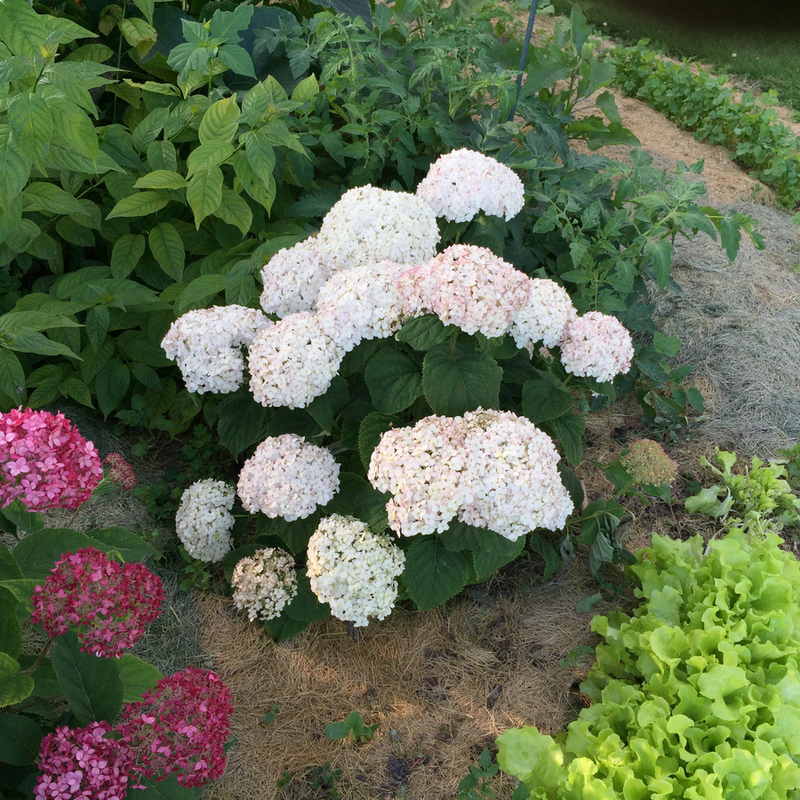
(111, 603)
(120, 471)
(81, 763)
(180, 726)
(45, 462)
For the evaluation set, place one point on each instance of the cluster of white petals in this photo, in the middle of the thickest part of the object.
(288, 477)
(545, 316)
(362, 303)
(204, 520)
(467, 286)
(206, 344)
(491, 469)
(264, 583)
(513, 476)
(354, 569)
(368, 225)
(462, 183)
(292, 278)
(421, 466)
(293, 362)
(597, 345)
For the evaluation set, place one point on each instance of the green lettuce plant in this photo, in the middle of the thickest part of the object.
(693, 695)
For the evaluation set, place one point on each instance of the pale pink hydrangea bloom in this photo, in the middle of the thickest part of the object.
(204, 520)
(469, 287)
(207, 342)
(462, 183)
(264, 583)
(597, 345)
(421, 467)
(45, 462)
(545, 316)
(293, 277)
(180, 726)
(81, 764)
(354, 569)
(512, 475)
(362, 303)
(288, 477)
(111, 603)
(120, 471)
(293, 362)
(368, 225)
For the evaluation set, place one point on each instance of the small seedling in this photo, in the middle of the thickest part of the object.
(354, 726)
(574, 657)
(270, 716)
(478, 784)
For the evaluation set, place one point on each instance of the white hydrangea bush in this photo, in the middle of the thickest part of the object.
(204, 520)
(264, 583)
(353, 569)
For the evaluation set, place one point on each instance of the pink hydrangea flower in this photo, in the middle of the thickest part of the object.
(82, 763)
(180, 726)
(120, 471)
(596, 345)
(111, 603)
(45, 462)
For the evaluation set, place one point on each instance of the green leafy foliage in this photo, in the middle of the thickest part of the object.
(353, 726)
(688, 699)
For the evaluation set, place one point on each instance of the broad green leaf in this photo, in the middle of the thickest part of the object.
(29, 521)
(204, 194)
(38, 552)
(9, 569)
(10, 632)
(569, 431)
(167, 248)
(552, 561)
(262, 192)
(659, 251)
(14, 688)
(198, 292)
(234, 210)
(14, 166)
(138, 205)
(146, 7)
(42, 196)
(20, 739)
(281, 629)
(532, 757)
(394, 381)
(261, 157)
(432, 573)
(74, 233)
(425, 332)
(73, 128)
(24, 31)
(369, 434)
(486, 563)
(325, 408)
(220, 122)
(242, 422)
(35, 342)
(463, 381)
(128, 249)
(110, 384)
(12, 375)
(137, 677)
(543, 399)
(162, 789)
(22, 590)
(31, 126)
(307, 89)
(237, 59)
(207, 156)
(94, 51)
(97, 320)
(91, 685)
(138, 34)
(225, 25)
(160, 179)
(121, 542)
(305, 606)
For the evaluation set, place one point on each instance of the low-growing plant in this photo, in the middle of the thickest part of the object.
(353, 726)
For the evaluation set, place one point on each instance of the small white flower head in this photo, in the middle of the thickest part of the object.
(288, 477)
(462, 183)
(362, 303)
(293, 362)
(368, 225)
(354, 569)
(204, 519)
(264, 583)
(512, 476)
(292, 278)
(467, 286)
(597, 345)
(421, 467)
(207, 343)
(545, 316)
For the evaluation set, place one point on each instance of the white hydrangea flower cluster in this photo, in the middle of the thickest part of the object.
(467, 286)
(288, 477)
(293, 277)
(362, 303)
(264, 583)
(597, 345)
(491, 469)
(293, 362)
(354, 569)
(462, 183)
(368, 225)
(204, 520)
(513, 476)
(206, 344)
(545, 317)
(421, 466)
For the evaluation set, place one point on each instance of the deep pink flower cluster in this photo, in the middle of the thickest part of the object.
(110, 602)
(81, 763)
(120, 471)
(180, 726)
(45, 462)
